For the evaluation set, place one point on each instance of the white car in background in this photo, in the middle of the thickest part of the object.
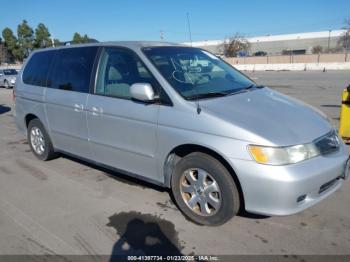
(8, 77)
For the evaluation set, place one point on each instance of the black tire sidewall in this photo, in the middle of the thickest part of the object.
(229, 192)
(48, 146)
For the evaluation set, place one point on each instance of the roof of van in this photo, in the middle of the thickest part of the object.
(129, 44)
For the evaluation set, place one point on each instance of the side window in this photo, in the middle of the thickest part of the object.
(36, 71)
(118, 70)
(72, 69)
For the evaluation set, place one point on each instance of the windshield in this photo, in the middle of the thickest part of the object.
(196, 73)
(10, 72)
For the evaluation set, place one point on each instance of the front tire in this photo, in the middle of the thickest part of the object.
(39, 141)
(204, 190)
(6, 84)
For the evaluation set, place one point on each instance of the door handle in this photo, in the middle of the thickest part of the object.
(78, 107)
(96, 111)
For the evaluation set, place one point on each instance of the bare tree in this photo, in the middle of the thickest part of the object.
(344, 41)
(234, 45)
(336, 49)
(317, 49)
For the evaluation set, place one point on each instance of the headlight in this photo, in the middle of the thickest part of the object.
(282, 155)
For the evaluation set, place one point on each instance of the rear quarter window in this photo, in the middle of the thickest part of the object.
(37, 68)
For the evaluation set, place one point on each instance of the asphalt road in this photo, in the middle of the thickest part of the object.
(67, 207)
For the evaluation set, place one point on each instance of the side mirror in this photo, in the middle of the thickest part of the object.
(142, 92)
(348, 88)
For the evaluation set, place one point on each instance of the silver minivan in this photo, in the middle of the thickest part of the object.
(181, 118)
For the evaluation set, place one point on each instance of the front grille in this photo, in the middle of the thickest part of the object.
(328, 143)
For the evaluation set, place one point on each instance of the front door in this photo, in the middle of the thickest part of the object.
(122, 132)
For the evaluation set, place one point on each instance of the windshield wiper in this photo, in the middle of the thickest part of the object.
(249, 87)
(253, 85)
(219, 94)
(244, 89)
(207, 95)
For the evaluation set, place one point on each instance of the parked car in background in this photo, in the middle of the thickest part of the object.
(243, 53)
(260, 53)
(181, 118)
(8, 77)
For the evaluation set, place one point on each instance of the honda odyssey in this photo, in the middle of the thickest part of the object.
(182, 118)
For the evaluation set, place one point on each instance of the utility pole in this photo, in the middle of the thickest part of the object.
(347, 45)
(329, 40)
(189, 27)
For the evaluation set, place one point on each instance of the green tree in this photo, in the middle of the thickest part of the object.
(78, 39)
(56, 42)
(11, 45)
(25, 36)
(18, 54)
(86, 39)
(9, 39)
(42, 37)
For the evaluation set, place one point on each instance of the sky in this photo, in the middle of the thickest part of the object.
(108, 20)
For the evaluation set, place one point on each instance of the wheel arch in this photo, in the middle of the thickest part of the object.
(29, 117)
(182, 150)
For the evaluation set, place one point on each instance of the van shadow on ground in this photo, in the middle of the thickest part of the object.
(4, 109)
(143, 234)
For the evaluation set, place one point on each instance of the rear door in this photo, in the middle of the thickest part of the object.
(66, 99)
(122, 132)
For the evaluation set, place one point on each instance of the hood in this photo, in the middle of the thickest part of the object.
(270, 115)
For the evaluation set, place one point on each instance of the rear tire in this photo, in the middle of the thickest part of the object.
(39, 141)
(204, 190)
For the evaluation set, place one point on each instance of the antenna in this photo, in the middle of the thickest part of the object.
(189, 27)
(198, 107)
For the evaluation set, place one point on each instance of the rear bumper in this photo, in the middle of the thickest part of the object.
(19, 117)
(285, 190)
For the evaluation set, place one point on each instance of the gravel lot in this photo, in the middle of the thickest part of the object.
(65, 206)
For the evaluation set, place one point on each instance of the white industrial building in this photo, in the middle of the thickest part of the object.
(300, 43)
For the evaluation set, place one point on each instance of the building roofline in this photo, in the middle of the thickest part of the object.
(271, 38)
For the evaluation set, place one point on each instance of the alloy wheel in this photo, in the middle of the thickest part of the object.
(200, 192)
(37, 140)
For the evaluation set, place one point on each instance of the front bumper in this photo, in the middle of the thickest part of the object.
(285, 190)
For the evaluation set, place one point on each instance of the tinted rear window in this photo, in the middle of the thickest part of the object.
(72, 69)
(36, 71)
